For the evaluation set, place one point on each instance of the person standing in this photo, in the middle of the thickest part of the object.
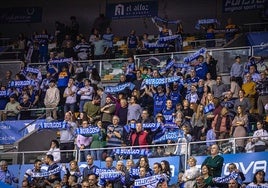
(70, 95)
(67, 138)
(214, 161)
(52, 167)
(52, 99)
(237, 70)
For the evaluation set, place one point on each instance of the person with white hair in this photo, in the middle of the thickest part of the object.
(5, 175)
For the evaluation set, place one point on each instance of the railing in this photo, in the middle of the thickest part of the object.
(249, 27)
(226, 146)
(202, 43)
(110, 69)
(225, 55)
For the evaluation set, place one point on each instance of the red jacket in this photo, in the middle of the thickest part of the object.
(142, 138)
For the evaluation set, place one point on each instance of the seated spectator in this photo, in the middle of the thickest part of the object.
(54, 150)
(5, 175)
(11, 111)
(258, 180)
(24, 107)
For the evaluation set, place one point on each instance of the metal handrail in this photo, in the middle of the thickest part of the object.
(188, 147)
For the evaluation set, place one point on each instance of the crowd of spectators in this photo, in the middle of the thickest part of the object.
(130, 174)
(198, 106)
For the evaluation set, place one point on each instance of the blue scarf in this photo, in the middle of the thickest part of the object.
(62, 60)
(45, 174)
(160, 81)
(155, 45)
(166, 68)
(173, 136)
(205, 22)
(151, 181)
(194, 56)
(32, 70)
(169, 38)
(87, 131)
(156, 18)
(4, 93)
(118, 88)
(20, 84)
(53, 125)
(125, 152)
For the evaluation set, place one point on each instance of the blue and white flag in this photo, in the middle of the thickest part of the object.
(62, 60)
(53, 125)
(21, 83)
(194, 56)
(32, 70)
(87, 131)
(45, 174)
(118, 88)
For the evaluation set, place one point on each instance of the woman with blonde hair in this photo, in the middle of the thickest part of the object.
(199, 122)
(190, 175)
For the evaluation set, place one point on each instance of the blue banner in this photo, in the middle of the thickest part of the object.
(132, 10)
(21, 15)
(248, 163)
(234, 6)
(10, 130)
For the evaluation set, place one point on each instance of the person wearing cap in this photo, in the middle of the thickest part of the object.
(52, 99)
(237, 70)
(11, 111)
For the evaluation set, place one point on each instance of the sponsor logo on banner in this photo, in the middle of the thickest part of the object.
(239, 5)
(21, 15)
(132, 9)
